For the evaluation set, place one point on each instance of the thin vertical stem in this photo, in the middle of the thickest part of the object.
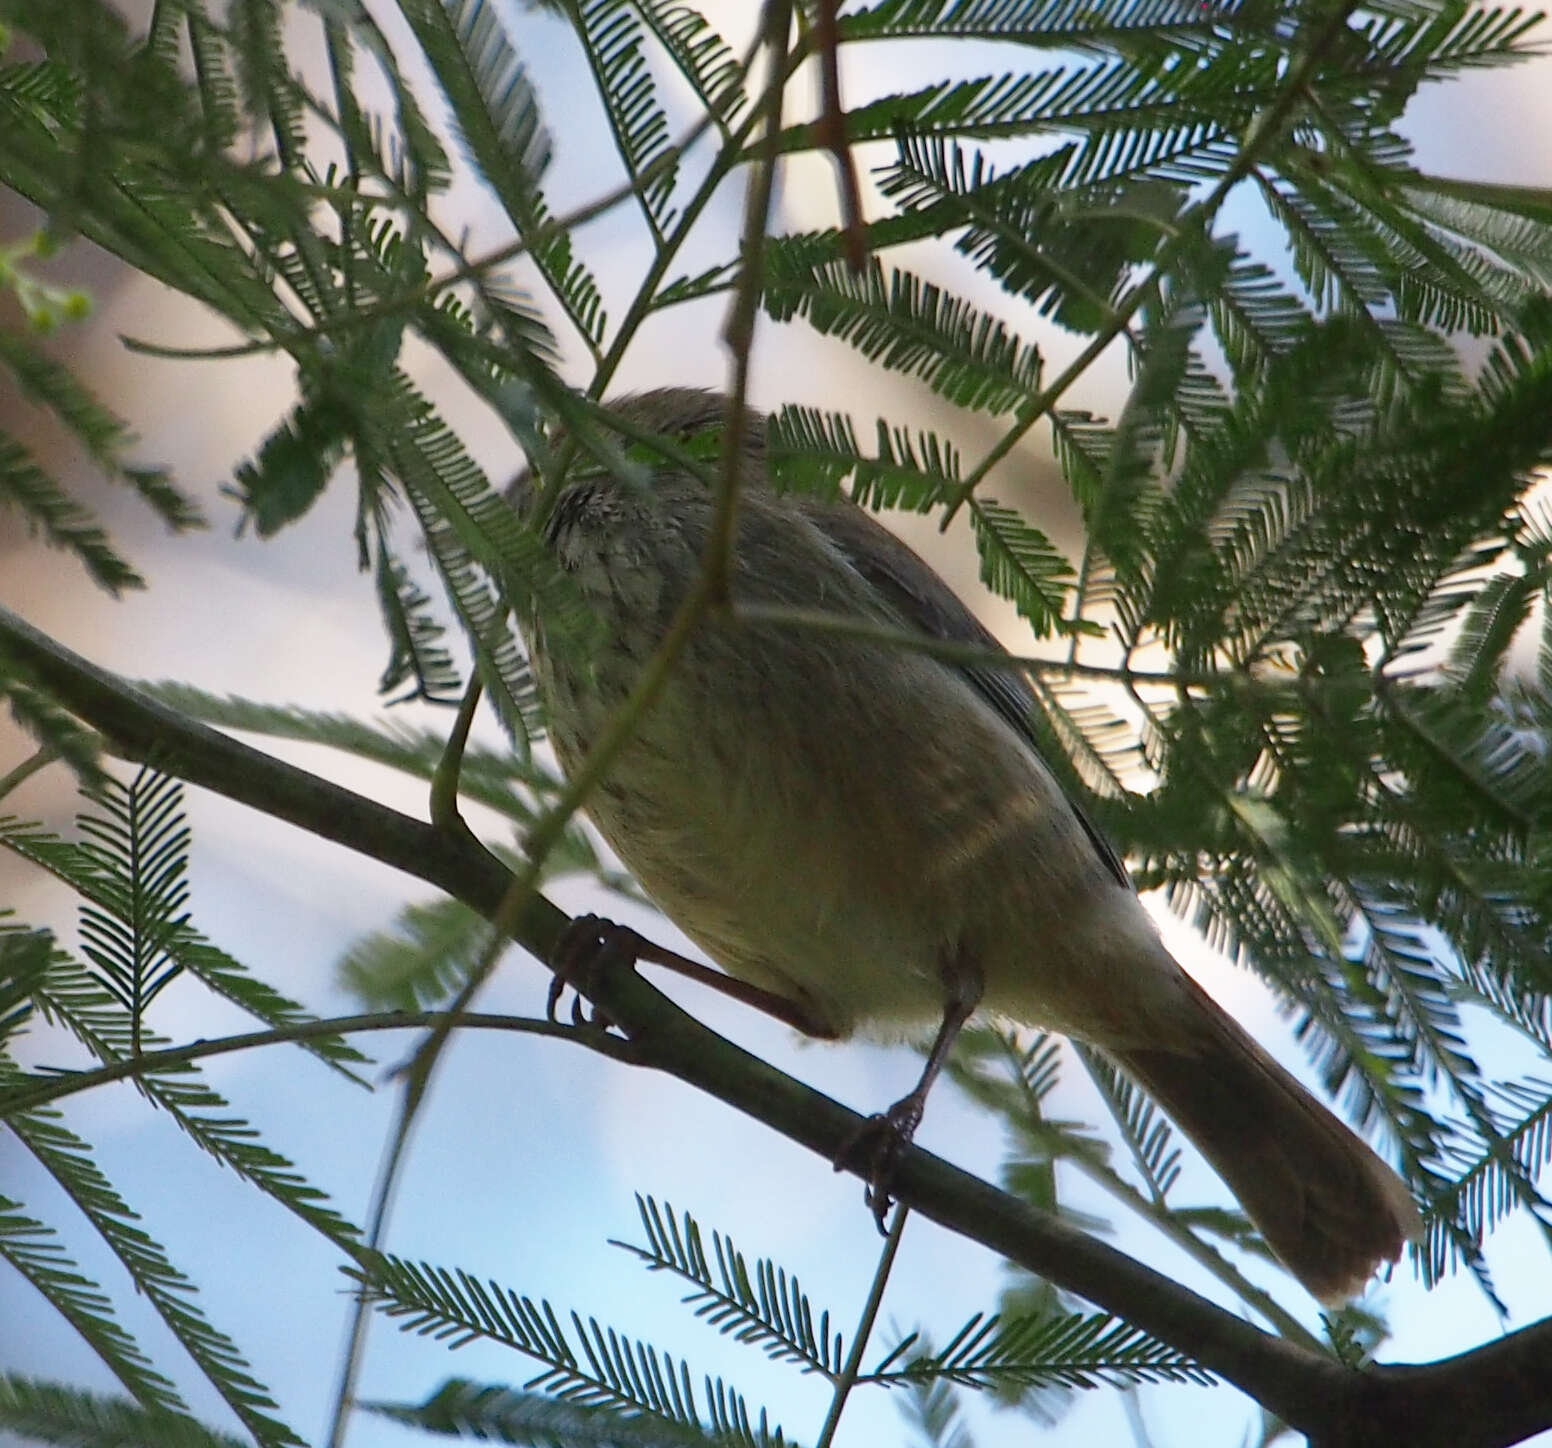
(859, 1342)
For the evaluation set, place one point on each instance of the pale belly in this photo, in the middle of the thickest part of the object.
(844, 850)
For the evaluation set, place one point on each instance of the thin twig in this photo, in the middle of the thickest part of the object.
(444, 781)
(864, 1330)
(384, 1190)
(36, 1092)
(24, 771)
(832, 132)
(738, 330)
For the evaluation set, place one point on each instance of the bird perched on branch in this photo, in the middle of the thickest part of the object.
(865, 836)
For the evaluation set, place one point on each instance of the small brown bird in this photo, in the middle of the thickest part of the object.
(869, 839)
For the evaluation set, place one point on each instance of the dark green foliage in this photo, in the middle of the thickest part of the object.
(46, 1413)
(503, 1415)
(588, 1365)
(1068, 1349)
(764, 1306)
(136, 848)
(907, 325)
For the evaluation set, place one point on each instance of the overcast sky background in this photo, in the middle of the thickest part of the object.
(526, 1159)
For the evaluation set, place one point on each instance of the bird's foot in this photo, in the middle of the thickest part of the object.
(877, 1144)
(589, 948)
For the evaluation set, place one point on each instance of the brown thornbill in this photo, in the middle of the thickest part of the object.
(867, 838)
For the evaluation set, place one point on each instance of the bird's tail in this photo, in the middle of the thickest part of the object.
(1329, 1208)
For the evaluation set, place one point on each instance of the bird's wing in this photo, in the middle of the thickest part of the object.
(924, 601)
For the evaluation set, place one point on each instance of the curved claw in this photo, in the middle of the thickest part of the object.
(878, 1142)
(588, 947)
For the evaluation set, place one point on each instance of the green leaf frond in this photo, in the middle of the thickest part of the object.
(1517, 241)
(1096, 29)
(1400, 51)
(1020, 563)
(43, 1412)
(492, 100)
(1108, 95)
(1384, 518)
(931, 1406)
(590, 1365)
(72, 999)
(182, 946)
(292, 467)
(1489, 1184)
(47, 511)
(487, 558)
(36, 1253)
(24, 961)
(810, 450)
(404, 151)
(1119, 470)
(262, 77)
(135, 844)
(496, 111)
(1429, 278)
(612, 37)
(765, 1306)
(1064, 231)
(1057, 1348)
(68, 1160)
(102, 436)
(505, 1415)
(1147, 1134)
(431, 949)
(702, 56)
(419, 665)
(906, 325)
(1255, 319)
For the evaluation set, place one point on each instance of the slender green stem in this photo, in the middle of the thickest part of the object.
(708, 586)
(57, 1086)
(24, 771)
(384, 1191)
(444, 781)
(738, 332)
(864, 1330)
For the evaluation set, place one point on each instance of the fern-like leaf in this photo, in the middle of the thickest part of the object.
(766, 1306)
(67, 1159)
(1065, 1349)
(36, 1253)
(136, 846)
(906, 325)
(1019, 562)
(613, 39)
(43, 1412)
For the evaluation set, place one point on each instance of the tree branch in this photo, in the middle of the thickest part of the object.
(1486, 1398)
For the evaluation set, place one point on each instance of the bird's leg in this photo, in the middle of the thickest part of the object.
(881, 1138)
(590, 945)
